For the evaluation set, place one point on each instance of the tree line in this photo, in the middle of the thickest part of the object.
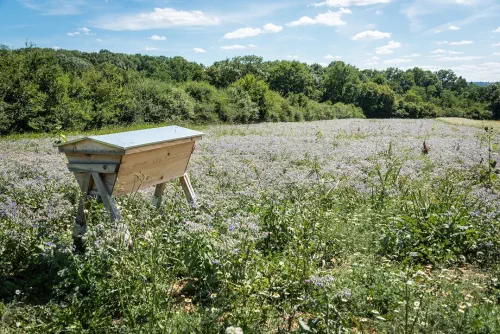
(42, 90)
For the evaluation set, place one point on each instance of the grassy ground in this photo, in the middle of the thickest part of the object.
(322, 227)
(471, 122)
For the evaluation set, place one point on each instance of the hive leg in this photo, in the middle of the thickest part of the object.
(107, 199)
(110, 204)
(188, 190)
(80, 225)
(158, 194)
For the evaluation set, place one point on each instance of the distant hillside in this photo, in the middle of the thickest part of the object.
(481, 83)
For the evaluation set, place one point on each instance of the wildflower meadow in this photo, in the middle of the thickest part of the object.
(343, 226)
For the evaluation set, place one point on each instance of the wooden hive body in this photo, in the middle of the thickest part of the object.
(133, 160)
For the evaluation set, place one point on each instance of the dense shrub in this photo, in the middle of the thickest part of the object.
(43, 90)
(157, 102)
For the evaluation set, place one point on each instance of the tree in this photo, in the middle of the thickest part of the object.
(291, 77)
(340, 83)
(376, 101)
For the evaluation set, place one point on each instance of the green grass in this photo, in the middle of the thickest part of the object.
(288, 237)
(471, 122)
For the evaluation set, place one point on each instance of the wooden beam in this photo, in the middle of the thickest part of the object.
(80, 225)
(158, 194)
(93, 168)
(107, 199)
(188, 190)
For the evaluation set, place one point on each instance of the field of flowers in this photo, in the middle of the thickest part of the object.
(369, 226)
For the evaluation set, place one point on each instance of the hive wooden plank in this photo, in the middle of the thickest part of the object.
(89, 146)
(149, 168)
(105, 168)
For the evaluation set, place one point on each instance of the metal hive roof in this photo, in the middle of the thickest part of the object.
(138, 138)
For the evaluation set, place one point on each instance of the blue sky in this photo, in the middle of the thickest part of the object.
(463, 35)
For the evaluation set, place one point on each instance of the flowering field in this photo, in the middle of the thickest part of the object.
(321, 227)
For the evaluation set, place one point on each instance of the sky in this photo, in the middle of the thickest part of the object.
(462, 35)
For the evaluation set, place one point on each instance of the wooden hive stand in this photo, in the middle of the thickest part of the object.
(121, 163)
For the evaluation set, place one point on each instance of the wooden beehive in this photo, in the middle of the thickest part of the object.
(132, 160)
(120, 163)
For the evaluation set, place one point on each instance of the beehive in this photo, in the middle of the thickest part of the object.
(129, 161)
(120, 163)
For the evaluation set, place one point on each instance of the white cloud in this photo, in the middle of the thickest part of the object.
(454, 28)
(379, 12)
(496, 53)
(371, 35)
(150, 48)
(347, 3)
(272, 28)
(292, 57)
(332, 18)
(76, 33)
(329, 56)
(387, 49)
(199, 50)
(251, 32)
(303, 21)
(496, 44)
(497, 30)
(243, 33)
(461, 43)
(85, 30)
(439, 52)
(252, 45)
(468, 58)
(397, 61)
(160, 18)
(233, 47)
(329, 18)
(157, 38)
(415, 55)
(99, 40)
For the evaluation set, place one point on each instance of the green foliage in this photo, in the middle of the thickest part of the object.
(158, 101)
(340, 83)
(43, 89)
(376, 100)
(290, 77)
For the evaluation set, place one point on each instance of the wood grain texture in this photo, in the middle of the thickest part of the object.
(107, 199)
(160, 188)
(89, 146)
(188, 190)
(149, 168)
(105, 168)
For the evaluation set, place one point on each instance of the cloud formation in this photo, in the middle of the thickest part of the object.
(199, 50)
(329, 18)
(251, 32)
(160, 18)
(348, 3)
(233, 47)
(157, 38)
(387, 49)
(371, 35)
